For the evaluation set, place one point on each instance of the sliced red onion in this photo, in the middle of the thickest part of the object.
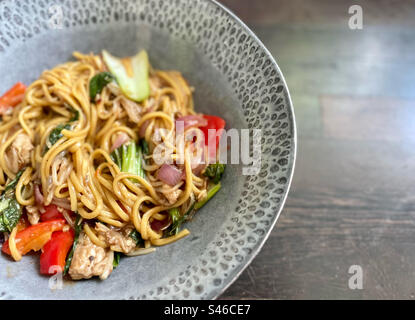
(192, 121)
(169, 174)
(198, 169)
(38, 195)
(143, 128)
(151, 107)
(197, 149)
(158, 225)
(63, 203)
(121, 139)
(198, 163)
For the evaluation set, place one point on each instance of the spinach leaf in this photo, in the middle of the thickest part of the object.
(75, 113)
(14, 182)
(78, 229)
(75, 116)
(10, 215)
(98, 82)
(10, 209)
(56, 134)
(214, 172)
(144, 146)
(117, 257)
(178, 220)
(136, 236)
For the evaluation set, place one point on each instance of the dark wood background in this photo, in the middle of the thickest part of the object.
(352, 200)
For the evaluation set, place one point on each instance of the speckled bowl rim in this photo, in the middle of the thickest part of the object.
(294, 149)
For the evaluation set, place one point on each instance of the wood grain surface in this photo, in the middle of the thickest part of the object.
(352, 200)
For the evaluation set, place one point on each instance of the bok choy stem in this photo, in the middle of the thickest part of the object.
(129, 159)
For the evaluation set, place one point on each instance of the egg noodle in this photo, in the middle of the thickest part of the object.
(78, 173)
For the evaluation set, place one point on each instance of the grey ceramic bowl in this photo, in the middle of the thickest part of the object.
(234, 76)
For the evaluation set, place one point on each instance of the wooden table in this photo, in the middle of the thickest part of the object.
(352, 200)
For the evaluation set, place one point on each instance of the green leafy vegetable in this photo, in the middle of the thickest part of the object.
(178, 220)
(75, 116)
(144, 146)
(56, 133)
(75, 112)
(98, 82)
(136, 236)
(78, 229)
(211, 192)
(214, 172)
(129, 159)
(132, 74)
(10, 209)
(117, 258)
(14, 182)
(11, 212)
(117, 157)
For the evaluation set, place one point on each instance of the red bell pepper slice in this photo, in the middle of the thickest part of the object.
(54, 252)
(35, 237)
(12, 97)
(213, 122)
(51, 213)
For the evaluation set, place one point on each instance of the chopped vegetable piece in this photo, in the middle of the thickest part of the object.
(132, 74)
(23, 223)
(117, 258)
(75, 116)
(78, 229)
(54, 252)
(129, 159)
(136, 236)
(158, 225)
(169, 174)
(51, 213)
(12, 97)
(178, 220)
(14, 182)
(211, 192)
(56, 134)
(175, 218)
(214, 172)
(35, 237)
(10, 209)
(144, 146)
(213, 122)
(193, 120)
(98, 82)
